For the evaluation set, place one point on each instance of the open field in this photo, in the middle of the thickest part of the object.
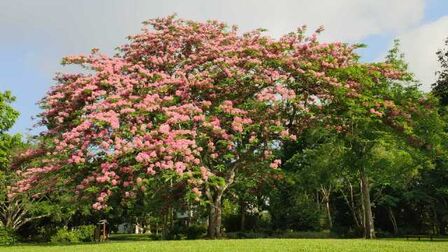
(309, 245)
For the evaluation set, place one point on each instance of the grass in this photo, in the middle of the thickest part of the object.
(309, 245)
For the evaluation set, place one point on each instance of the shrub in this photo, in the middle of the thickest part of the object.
(64, 235)
(7, 236)
(86, 233)
(78, 234)
(195, 232)
(177, 232)
(44, 233)
(155, 237)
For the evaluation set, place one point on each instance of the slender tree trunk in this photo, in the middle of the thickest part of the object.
(441, 220)
(165, 225)
(318, 200)
(393, 220)
(330, 220)
(442, 228)
(137, 227)
(369, 228)
(435, 221)
(351, 204)
(326, 197)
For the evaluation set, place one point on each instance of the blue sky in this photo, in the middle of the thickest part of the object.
(36, 34)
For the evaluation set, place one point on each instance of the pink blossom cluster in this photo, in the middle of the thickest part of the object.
(275, 164)
(375, 112)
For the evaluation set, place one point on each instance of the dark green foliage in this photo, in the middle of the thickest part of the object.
(7, 236)
(195, 231)
(182, 232)
(440, 88)
(86, 233)
(291, 209)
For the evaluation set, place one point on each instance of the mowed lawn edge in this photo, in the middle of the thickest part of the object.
(312, 245)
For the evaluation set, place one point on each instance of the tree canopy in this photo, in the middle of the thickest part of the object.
(201, 106)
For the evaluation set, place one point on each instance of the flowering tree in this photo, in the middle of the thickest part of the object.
(14, 211)
(183, 98)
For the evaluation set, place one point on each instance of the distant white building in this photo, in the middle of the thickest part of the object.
(125, 228)
(128, 228)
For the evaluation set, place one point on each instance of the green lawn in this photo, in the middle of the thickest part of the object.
(354, 245)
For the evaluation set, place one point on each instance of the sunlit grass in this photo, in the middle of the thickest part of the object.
(317, 245)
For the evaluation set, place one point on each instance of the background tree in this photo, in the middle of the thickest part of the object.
(8, 116)
(21, 209)
(440, 88)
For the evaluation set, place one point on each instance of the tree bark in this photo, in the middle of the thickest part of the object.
(330, 220)
(351, 204)
(393, 220)
(243, 216)
(369, 228)
(214, 219)
(326, 193)
(215, 200)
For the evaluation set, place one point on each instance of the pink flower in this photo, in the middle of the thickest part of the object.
(204, 173)
(275, 164)
(142, 157)
(164, 128)
(252, 139)
(196, 191)
(180, 167)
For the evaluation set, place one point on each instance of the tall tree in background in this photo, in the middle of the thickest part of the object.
(434, 181)
(382, 112)
(8, 116)
(440, 88)
(386, 109)
(19, 210)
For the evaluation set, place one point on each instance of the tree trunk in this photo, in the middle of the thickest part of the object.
(243, 216)
(393, 220)
(326, 197)
(351, 204)
(369, 228)
(165, 228)
(214, 219)
(443, 223)
(330, 220)
(215, 200)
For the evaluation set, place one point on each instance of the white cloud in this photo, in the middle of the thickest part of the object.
(62, 27)
(420, 45)
(82, 21)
